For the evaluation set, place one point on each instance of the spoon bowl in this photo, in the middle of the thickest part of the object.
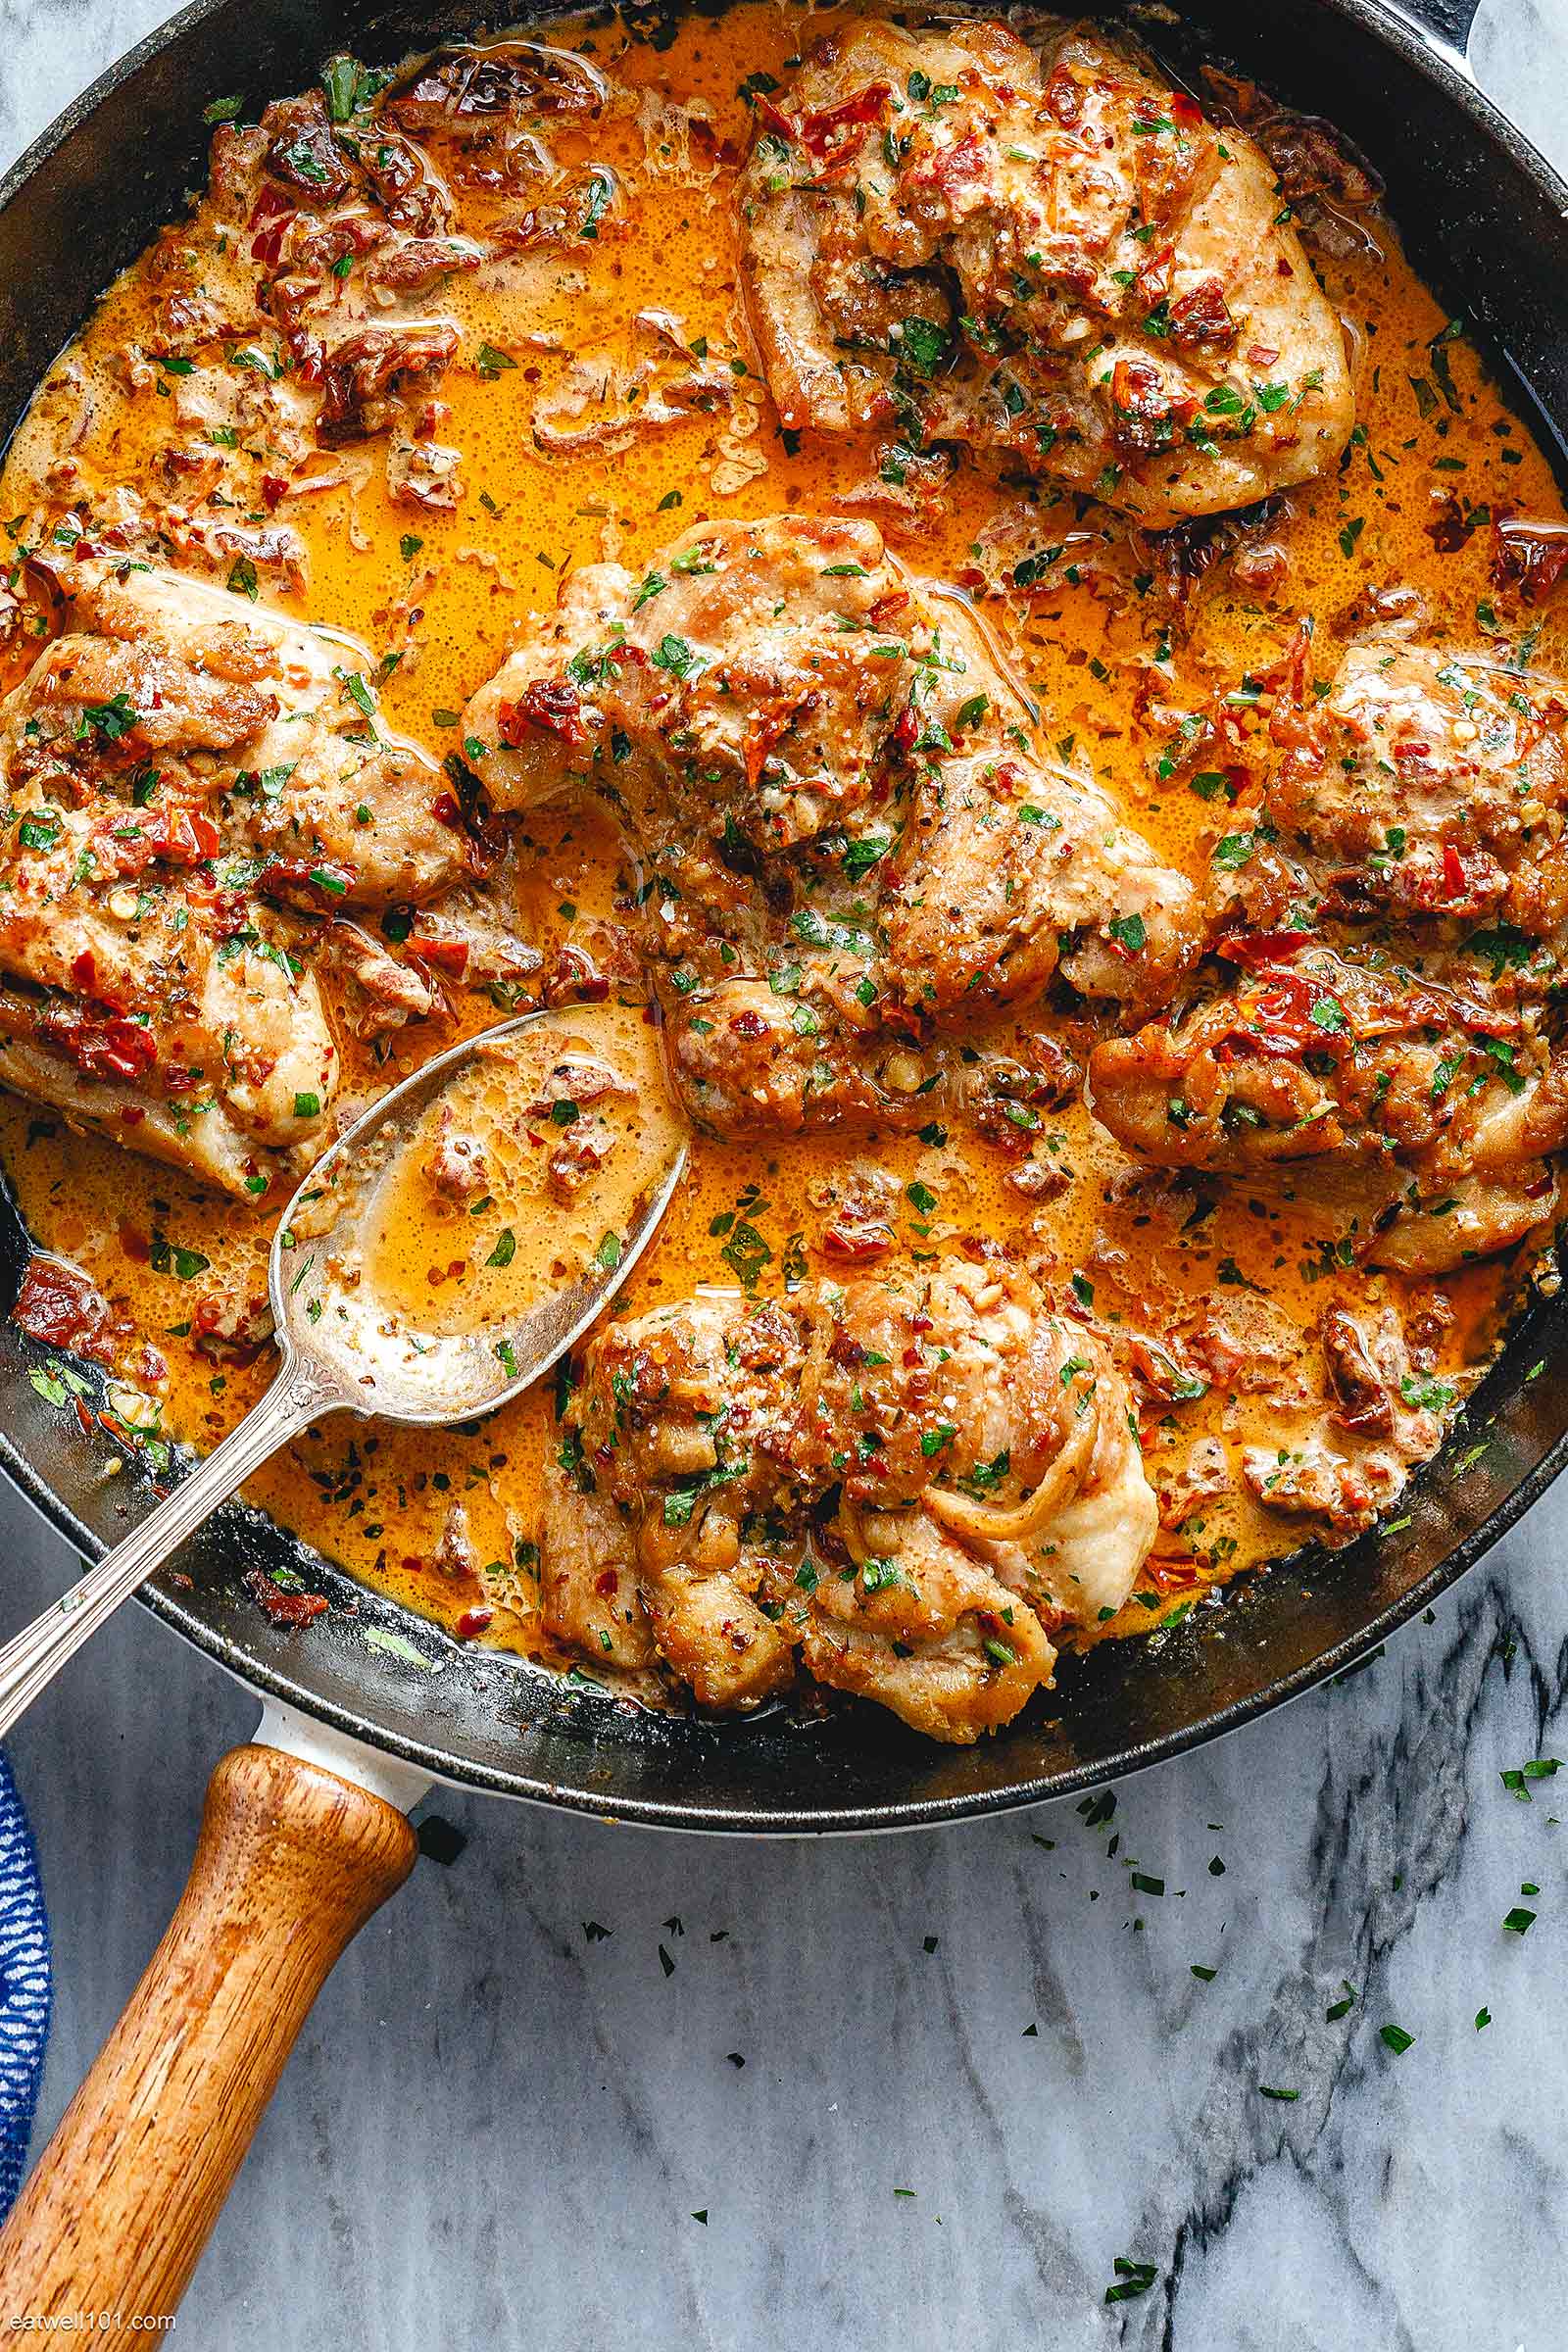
(536, 1171)
(358, 1305)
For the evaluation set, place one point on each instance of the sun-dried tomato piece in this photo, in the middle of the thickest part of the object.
(322, 882)
(1200, 319)
(1172, 1575)
(367, 369)
(1453, 524)
(854, 1238)
(183, 836)
(1065, 97)
(547, 707)
(100, 1049)
(1142, 419)
(827, 129)
(1258, 947)
(948, 168)
(1528, 556)
(441, 955)
(59, 1304)
(305, 154)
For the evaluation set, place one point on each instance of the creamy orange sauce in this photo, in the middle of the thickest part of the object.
(445, 590)
(450, 1260)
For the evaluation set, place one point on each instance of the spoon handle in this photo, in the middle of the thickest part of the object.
(33, 1657)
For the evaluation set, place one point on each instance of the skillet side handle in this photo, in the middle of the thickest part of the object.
(290, 1863)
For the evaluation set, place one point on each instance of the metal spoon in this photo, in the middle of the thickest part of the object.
(336, 1354)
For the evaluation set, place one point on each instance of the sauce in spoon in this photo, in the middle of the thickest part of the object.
(360, 1325)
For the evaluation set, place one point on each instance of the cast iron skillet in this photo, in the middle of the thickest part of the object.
(1487, 222)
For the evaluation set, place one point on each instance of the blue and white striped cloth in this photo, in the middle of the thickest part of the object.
(24, 1987)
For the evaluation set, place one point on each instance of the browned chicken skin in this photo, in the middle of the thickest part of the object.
(1049, 255)
(854, 845)
(912, 1482)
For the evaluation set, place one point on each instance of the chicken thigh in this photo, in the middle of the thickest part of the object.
(912, 1481)
(1429, 785)
(854, 844)
(1449, 1092)
(180, 766)
(1049, 256)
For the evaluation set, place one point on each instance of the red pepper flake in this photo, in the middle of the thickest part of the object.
(289, 1609)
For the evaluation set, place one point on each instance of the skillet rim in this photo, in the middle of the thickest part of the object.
(1432, 56)
(827, 1820)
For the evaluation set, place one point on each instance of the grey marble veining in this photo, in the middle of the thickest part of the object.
(497, 2129)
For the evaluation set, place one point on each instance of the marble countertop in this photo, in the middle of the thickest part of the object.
(918, 2092)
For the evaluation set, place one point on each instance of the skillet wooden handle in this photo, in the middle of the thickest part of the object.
(290, 1864)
